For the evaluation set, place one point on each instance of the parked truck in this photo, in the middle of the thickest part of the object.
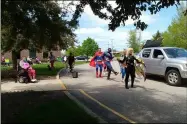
(169, 62)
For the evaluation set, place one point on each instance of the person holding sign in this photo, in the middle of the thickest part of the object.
(130, 67)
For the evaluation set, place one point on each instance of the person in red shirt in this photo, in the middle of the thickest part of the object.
(97, 61)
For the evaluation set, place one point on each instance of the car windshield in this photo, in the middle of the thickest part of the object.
(175, 52)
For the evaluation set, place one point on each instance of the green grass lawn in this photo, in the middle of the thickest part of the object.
(42, 69)
(42, 107)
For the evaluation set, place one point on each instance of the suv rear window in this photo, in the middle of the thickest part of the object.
(146, 53)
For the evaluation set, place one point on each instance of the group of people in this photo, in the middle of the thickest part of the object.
(101, 60)
(127, 64)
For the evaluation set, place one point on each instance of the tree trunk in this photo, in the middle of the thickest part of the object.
(14, 59)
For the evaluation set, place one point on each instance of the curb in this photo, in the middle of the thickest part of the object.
(87, 110)
(16, 91)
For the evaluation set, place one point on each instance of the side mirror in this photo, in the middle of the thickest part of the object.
(160, 57)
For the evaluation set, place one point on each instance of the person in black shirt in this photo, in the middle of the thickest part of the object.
(129, 67)
(71, 60)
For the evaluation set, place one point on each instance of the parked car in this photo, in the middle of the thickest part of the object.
(81, 58)
(169, 62)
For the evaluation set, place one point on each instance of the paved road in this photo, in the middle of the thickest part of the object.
(152, 101)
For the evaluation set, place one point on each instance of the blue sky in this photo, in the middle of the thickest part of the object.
(93, 27)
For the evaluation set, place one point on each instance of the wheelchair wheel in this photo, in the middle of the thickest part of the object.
(26, 81)
(21, 79)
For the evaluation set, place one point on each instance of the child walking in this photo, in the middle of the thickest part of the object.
(123, 67)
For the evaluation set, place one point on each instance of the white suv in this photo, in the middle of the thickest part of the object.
(170, 62)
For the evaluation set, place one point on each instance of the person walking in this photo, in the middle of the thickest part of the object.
(123, 66)
(107, 59)
(98, 62)
(71, 61)
(130, 67)
(52, 60)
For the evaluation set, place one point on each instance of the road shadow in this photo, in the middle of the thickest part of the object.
(162, 80)
(155, 78)
(41, 107)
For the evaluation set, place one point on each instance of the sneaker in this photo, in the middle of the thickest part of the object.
(33, 80)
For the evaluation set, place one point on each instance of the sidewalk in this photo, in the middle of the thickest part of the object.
(43, 85)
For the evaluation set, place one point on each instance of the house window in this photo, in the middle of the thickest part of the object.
(32, 53)
(45, 55)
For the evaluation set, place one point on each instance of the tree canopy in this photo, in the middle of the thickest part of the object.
(157, 36)
(77, 51)
(89, 47)
(176, 34)
(124, 10)
(35, 24)
(133, 41)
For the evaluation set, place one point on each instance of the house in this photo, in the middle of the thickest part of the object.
(33, 54)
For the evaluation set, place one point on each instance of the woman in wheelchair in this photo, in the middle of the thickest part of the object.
(27, 68)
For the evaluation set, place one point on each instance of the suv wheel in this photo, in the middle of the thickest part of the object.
(173, 78)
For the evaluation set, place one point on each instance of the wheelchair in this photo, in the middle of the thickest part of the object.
(23, 76)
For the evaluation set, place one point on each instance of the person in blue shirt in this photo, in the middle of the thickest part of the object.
(107, 59)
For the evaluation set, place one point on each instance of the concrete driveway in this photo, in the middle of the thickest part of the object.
(152, 101)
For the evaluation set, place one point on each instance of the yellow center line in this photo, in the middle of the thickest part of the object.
(106, 107)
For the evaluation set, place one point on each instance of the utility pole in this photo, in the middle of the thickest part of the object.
(112, 44)
(139, 39)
